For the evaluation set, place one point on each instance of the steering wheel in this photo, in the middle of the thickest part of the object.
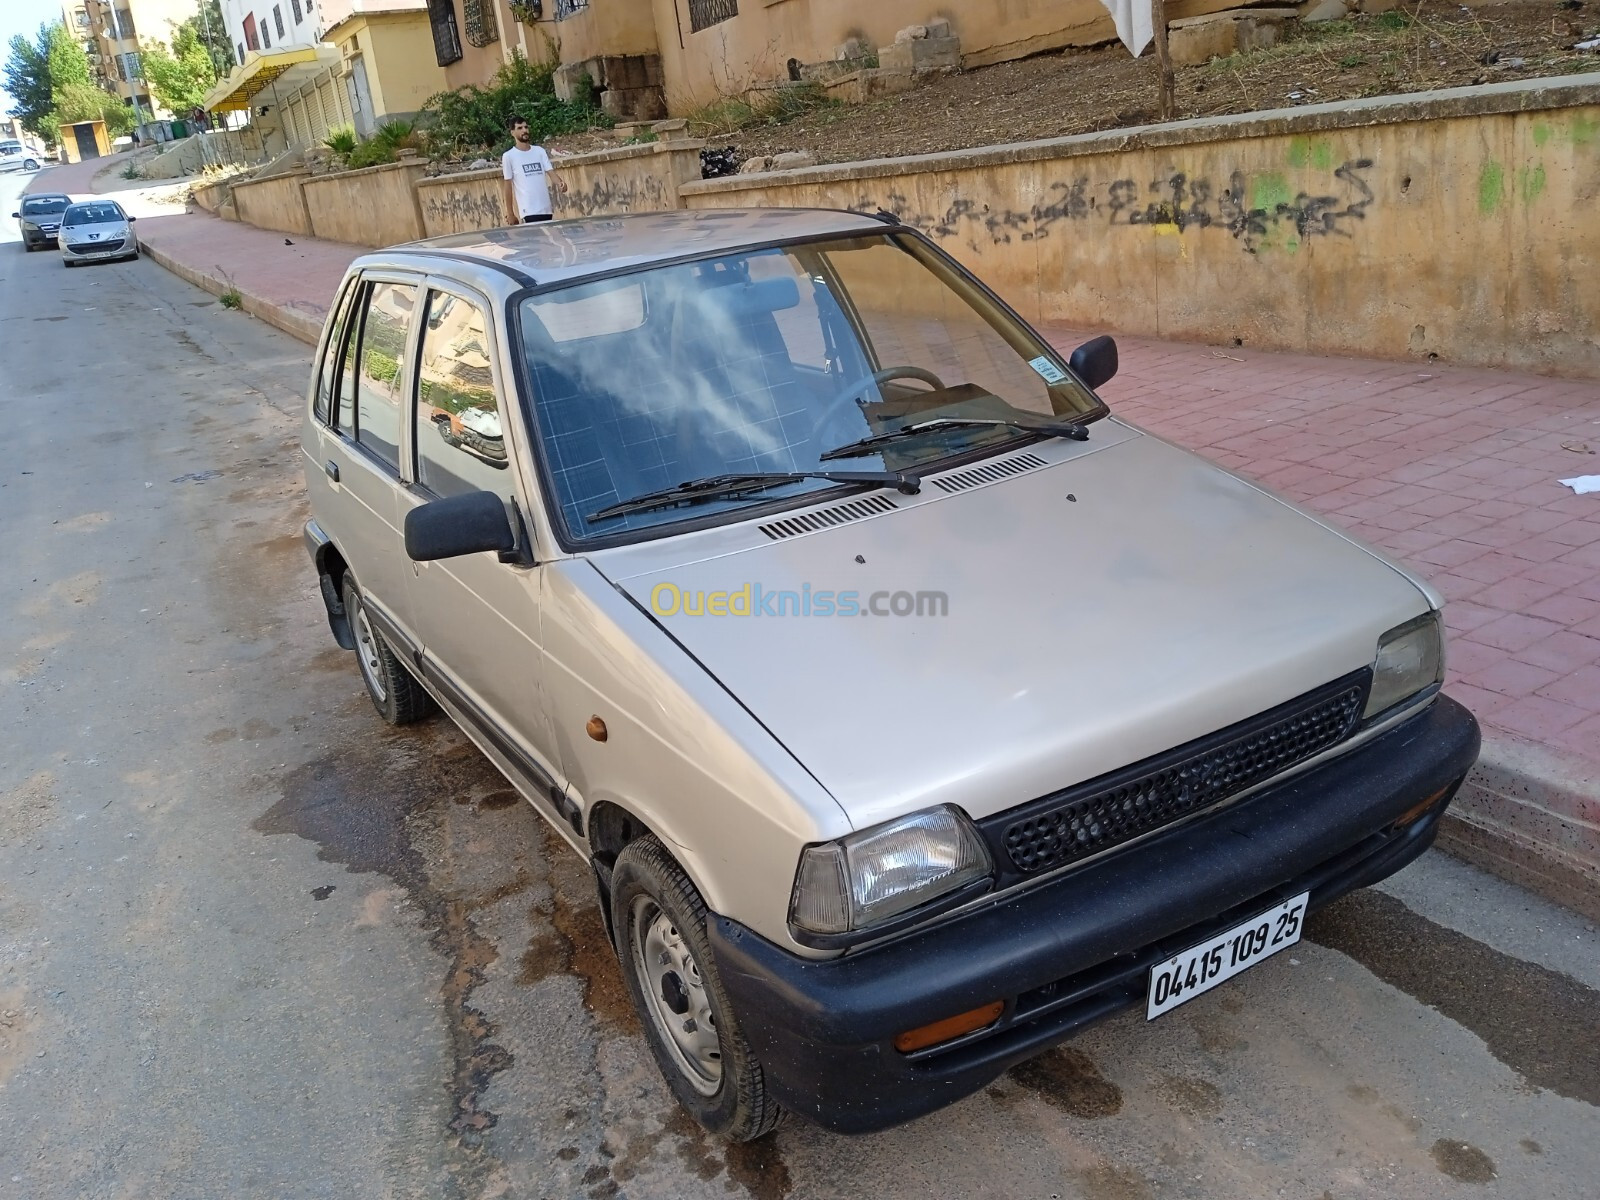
(842, 400)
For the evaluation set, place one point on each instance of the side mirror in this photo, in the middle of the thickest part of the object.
(470, 524)
(132, 218)
(1095, 362)
(17, 215)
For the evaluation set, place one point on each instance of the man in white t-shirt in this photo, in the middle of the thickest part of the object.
(527, 178)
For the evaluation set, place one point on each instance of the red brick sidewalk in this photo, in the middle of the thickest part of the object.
(1454, 470)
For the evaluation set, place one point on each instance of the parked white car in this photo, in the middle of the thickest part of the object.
(15, 156)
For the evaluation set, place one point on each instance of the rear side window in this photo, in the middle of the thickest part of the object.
(379, 374)
(461, 444)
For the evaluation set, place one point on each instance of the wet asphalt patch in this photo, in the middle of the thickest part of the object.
(1540, 1023)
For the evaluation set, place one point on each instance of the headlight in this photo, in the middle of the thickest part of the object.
(1410, 658)
(868, 877)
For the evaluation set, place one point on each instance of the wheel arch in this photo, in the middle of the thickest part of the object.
(331, 571)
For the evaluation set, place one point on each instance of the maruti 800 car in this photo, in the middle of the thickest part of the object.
(913, 710)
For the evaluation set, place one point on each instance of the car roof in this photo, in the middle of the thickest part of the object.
(26, 196)
(562, 251)
(98, 200)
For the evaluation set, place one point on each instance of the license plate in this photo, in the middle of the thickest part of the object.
(1200, 968)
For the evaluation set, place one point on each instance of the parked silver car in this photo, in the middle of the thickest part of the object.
(913, 711)
(14, 156)
(39, 218)
(95, 230)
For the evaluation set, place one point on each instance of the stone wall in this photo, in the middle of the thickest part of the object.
(275, 203)
(376, 206)
(1455, 224)
(644, 178)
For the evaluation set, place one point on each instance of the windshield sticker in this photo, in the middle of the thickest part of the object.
(1047, 370)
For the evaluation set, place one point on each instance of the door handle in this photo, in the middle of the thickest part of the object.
(332, 468)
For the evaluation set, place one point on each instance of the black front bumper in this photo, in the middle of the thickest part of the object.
(1072, 951)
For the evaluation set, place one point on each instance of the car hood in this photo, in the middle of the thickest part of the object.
(1124, 599)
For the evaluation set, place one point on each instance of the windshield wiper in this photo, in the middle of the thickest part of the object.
(716, 487)
(1066, 429)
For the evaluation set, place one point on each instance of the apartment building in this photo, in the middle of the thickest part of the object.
(111, 30)
(261, 26)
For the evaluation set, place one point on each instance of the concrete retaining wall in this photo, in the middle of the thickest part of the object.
(376, 206)
(1458, 224)
(276, 203)
(645, 178)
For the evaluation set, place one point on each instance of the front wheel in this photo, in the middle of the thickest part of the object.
(660, 923)
(29, 164)
(397, 696)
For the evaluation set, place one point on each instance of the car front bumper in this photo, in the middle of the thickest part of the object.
(1067, 953)
(89, 252)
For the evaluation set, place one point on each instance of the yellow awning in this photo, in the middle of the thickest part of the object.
(258, 71)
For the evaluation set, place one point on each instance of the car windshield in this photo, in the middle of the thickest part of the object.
(763, 361)
(91, 214)
(44, 204)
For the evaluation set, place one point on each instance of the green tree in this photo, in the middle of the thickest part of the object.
(69, 62)
(212, 33)
(85, 102)
(27, 77)
(180, 76)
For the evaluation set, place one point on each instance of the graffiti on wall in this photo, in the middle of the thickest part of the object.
(475, 204)
(1258, 209)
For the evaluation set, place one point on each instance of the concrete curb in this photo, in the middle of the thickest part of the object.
(297, 325)
(1532, 817)
(1525, 813)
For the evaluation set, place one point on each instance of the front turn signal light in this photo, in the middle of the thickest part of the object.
(949, 1028)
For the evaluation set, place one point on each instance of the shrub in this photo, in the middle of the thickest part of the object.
(474, 118)
(341, 141)
(727, 116)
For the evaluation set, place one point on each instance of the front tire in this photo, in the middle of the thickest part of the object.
(689, 1022)
(397, 696)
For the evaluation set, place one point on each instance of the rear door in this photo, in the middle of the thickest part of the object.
(360, 444)
(478, 618)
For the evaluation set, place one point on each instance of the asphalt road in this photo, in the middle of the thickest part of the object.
(255, 944)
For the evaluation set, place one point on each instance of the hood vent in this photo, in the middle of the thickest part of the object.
(827, 518)
(988, 472)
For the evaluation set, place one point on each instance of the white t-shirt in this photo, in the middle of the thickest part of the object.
(526, 170)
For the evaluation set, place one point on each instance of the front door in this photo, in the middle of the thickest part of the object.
(478, 617)
(359, 450)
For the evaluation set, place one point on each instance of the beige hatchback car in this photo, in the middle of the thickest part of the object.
(913, 711)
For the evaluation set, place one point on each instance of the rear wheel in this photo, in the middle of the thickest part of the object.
(398, 697)
(666, 959)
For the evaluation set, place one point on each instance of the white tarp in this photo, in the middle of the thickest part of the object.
(1135, 26)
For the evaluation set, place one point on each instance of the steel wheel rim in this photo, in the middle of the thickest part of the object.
(367, 653)
(675, 995)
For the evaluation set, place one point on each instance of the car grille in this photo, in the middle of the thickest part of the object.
(1086, 820)
(97, 247)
